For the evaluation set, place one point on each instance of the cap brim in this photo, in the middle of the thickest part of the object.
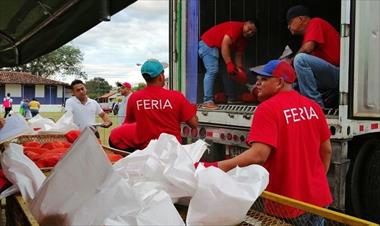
(259, 70)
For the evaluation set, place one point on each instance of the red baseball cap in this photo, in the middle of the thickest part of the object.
(126, 85)
(277, 68)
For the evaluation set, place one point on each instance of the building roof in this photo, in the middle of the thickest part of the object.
(107, 95)
(10, 77)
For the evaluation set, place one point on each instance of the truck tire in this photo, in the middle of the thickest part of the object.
(365, 182)
(371, 187)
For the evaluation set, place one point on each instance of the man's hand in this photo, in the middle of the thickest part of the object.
(241, 76)
(206, 164)
(231, 69)
(107, 124)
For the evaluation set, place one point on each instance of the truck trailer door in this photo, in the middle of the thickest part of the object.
(365, 60)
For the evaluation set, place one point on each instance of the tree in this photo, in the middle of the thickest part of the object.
(139, 86)
(66, 60)
(97, 87)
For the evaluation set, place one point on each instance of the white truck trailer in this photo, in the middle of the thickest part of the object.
(354, 175)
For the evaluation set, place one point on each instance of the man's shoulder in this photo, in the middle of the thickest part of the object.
(71, 99)
(316, 21)
(92, 102)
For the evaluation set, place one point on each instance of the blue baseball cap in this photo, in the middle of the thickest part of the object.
(152, 67)
(276, 68)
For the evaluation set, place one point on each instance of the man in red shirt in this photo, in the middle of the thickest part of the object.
(290, 139)
(152, 111)
(317, 61)
(227, 37)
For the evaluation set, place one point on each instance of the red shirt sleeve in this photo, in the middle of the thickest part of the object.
(314, 32)
(264, 128)
(236, 35)
(188, 110)
(130, 117)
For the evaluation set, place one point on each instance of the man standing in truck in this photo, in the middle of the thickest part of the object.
(228, 37)
(292, 141)
(317, 61)
(152, 111)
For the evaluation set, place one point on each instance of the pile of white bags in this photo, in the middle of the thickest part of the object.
(85, 189)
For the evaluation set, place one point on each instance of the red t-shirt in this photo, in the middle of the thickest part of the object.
(157, 110)
(295, 129)
(214, 36)
(321, 32)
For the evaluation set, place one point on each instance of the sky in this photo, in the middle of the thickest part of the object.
(112, 49)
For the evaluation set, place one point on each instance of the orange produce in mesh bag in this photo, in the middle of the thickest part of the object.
(58, 150)
(52, 145)
(220, 98)
(113, 157)
(49, 159)
(248, 97)
(32, 155)
(35, 150)
(31, 144)
(72, 135)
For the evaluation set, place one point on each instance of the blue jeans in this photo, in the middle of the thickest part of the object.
(210, 58)
(315, 75)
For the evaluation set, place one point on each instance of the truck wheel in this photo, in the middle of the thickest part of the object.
(365, 182)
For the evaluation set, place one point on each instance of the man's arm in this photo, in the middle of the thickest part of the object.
(239, 59)
(325, 152)
(226, 48)
(106, 120)
(308, 47)
(258, 153)
(193, 122)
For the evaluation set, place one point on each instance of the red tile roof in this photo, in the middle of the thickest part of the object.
(9, 77)
(107, 95)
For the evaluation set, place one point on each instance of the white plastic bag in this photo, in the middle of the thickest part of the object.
(45, 125)
(64, 124)
(83, 189)
(225, 198)
(155, 208)
(166, 162)
(21, 171)
(113, 199)
(39, 123)
(75, 179)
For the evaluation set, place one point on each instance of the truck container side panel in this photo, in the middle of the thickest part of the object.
(192, 53)
(366, 67)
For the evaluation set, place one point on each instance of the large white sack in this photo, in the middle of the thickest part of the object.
(75, 179)
(166, 162)
(21, 171)
(156, 208)
(225, 198)
(114, 198)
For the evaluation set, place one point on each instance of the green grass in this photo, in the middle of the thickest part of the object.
(104, 133)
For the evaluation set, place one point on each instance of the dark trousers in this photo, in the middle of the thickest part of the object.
(7, 110)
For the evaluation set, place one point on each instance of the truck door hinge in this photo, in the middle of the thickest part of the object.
(343, 99)
(345, 30)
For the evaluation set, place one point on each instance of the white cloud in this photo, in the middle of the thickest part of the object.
(139, 32)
